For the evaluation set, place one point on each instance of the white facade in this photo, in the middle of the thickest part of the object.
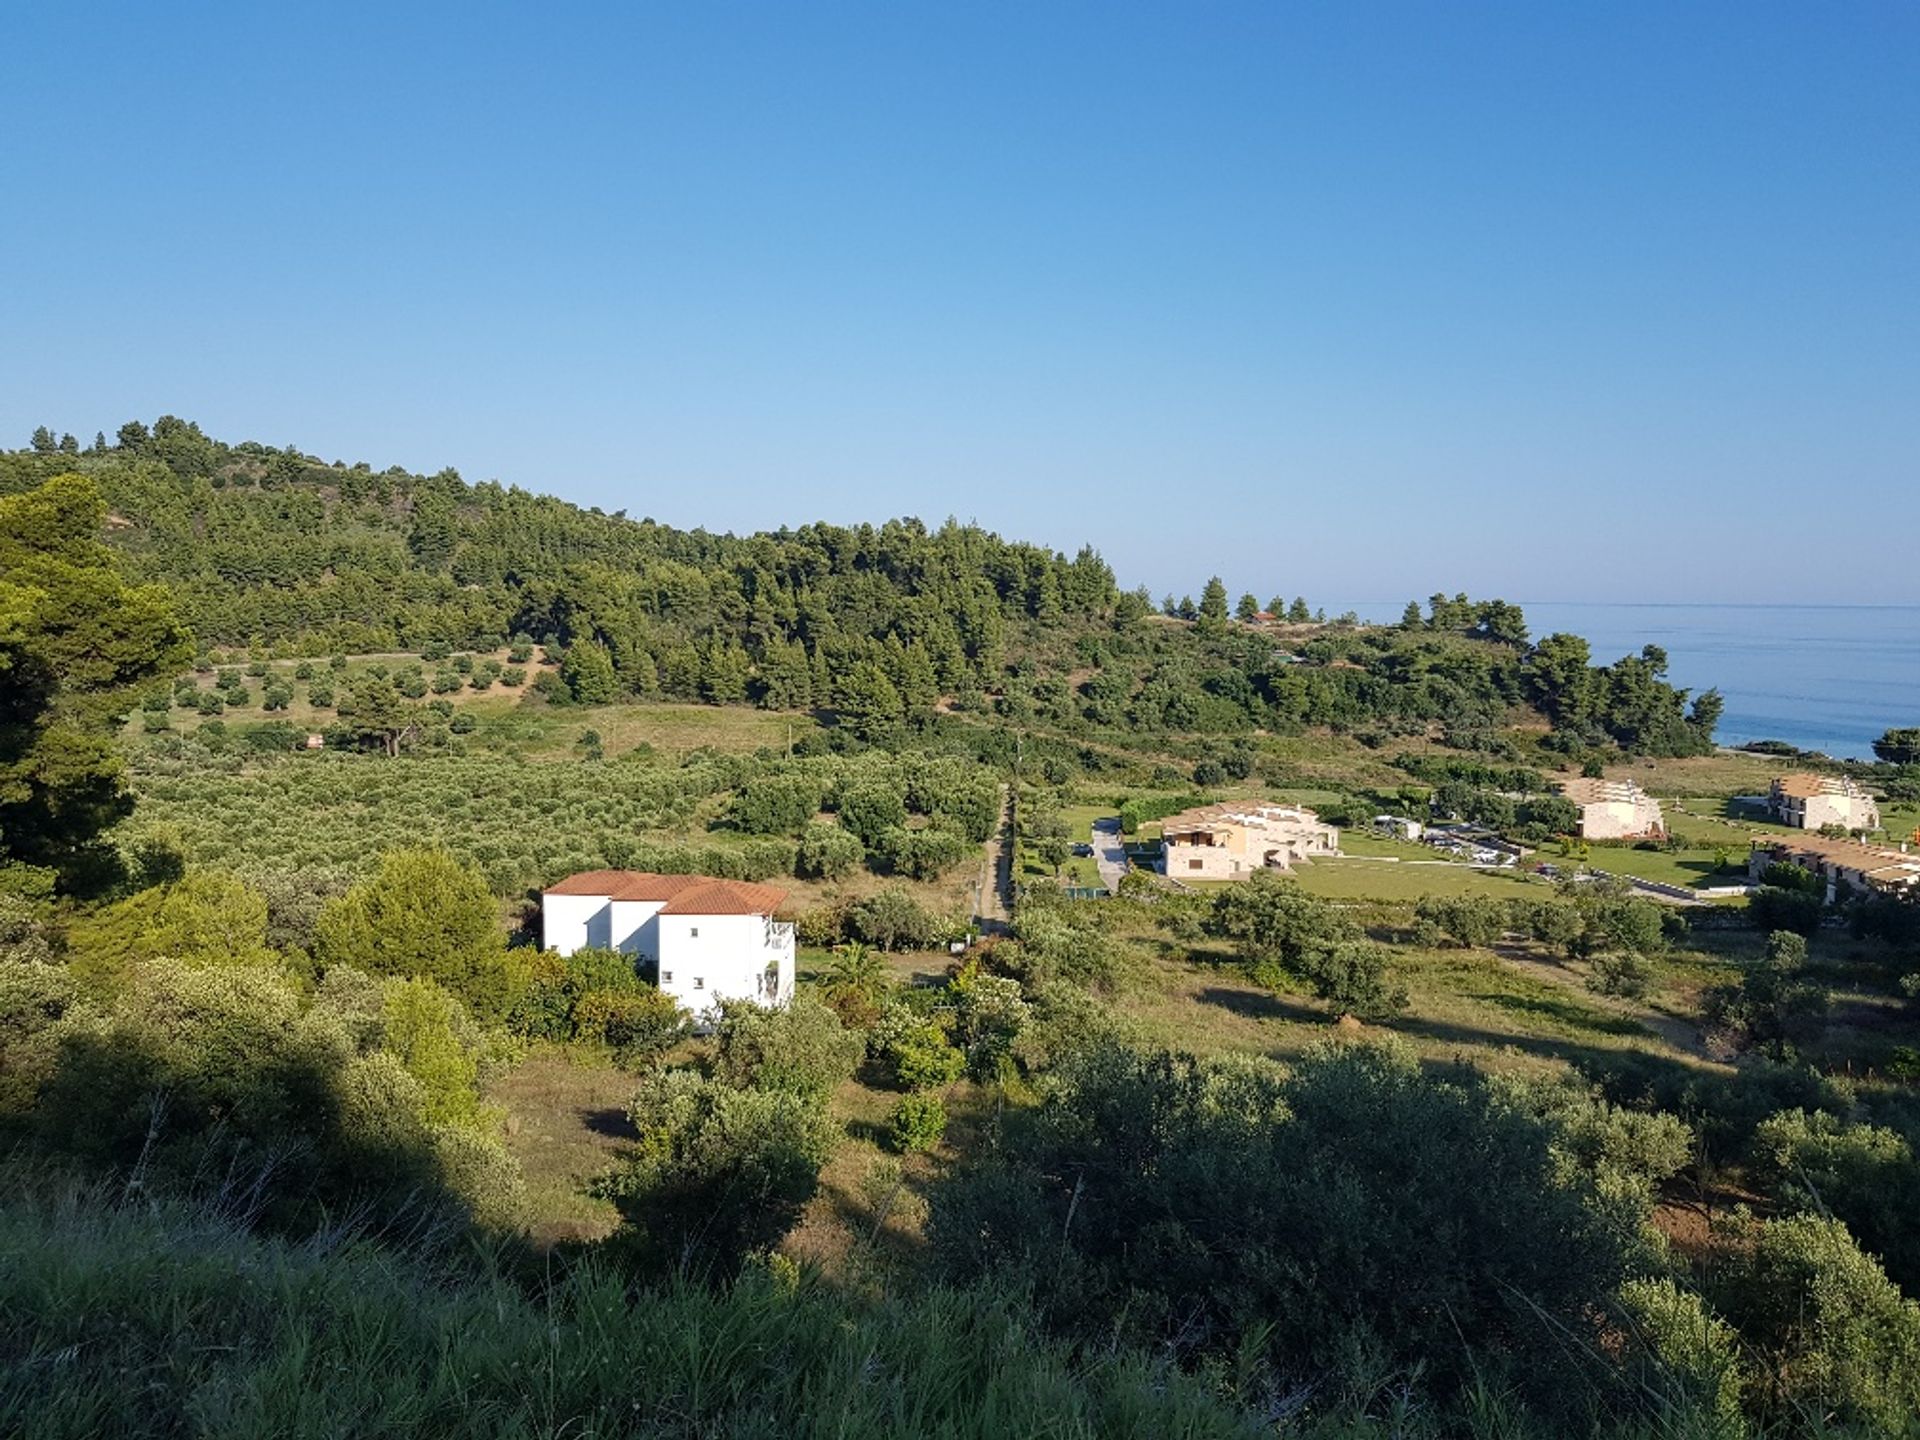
(711, 940)
(1614, 809)
(1231, 841)
(704, 958)
(1811, 802)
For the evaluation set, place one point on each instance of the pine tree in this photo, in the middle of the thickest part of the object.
(1213, 600)
(868, 704)
(588, 673)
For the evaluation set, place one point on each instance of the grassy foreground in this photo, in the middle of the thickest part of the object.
(137, 1322)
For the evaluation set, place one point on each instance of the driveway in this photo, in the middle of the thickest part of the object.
(1108, 854)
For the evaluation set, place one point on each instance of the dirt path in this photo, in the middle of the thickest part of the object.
(996, 872)
(1109, 853)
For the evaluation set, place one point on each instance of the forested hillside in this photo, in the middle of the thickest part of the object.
(276, 552)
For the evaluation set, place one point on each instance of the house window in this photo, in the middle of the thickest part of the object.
(694, 931)
(1196, 864)
(666, 977)
(698, 983)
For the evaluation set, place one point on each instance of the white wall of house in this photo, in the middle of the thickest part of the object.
(1847, 811)
(1200, 862)
(575, 922)
(701, 958)
(1620, 819)
(582, 922)
(706, 958)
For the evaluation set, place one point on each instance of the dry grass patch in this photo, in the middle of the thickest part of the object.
(566, 1124)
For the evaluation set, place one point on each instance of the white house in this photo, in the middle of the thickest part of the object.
(711, 939)
(1809, 802)
(1231, 841)
(1614, 809)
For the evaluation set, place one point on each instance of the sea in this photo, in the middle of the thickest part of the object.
(1830, 678)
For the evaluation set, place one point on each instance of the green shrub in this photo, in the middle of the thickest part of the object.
(826, 852)
(801, 1047)
(638, 1025)
(422, 914)
(918, 1122)
(719, 1172)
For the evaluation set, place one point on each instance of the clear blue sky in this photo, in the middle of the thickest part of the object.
(1362, 300)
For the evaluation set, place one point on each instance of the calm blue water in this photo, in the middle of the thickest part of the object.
(1823, 677)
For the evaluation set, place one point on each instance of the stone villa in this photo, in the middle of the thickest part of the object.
(1230, 841)
(1614, 810)
(1807, 802)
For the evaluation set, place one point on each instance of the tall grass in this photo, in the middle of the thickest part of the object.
(131, 1319)
(156, 1321)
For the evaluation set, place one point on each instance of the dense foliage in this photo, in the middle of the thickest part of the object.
(74, 636)
(272, 549)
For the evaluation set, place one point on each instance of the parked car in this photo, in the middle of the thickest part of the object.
(1083, 850)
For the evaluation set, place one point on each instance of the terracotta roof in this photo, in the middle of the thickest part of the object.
(683, 894)
(1890, 867)
(726, 897)
(1806, 787)
(1588, 791)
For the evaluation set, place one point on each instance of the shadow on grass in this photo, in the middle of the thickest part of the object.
(1568, 1012)
(1591, 1060)
(1258, 1005)
(609, 1121)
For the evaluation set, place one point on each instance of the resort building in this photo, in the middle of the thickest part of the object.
(1614, 810)
(1231, 841)
(1809, 802)
(710, 939)
(1848, 867)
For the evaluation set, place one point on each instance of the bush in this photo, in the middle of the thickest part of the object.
(719, 1172)
(891, 920)
(198, 1072)
(918, 1122)
(871, 808)
(638, 1025)
(1686, 1355)
(775, 805)
(826, 852)
(1837, 1338)
(921, 1056)
(801, 1047)
(921, 854)
(1130, 1204)
(1777, 908)
(421, 914)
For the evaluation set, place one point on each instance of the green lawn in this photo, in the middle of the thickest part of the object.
(1079, 869)
(1371, 879)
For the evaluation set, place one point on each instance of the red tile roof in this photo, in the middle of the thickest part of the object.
(683, 894)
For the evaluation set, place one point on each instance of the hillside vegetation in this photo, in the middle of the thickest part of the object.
(301, 1132)
(273, 550)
